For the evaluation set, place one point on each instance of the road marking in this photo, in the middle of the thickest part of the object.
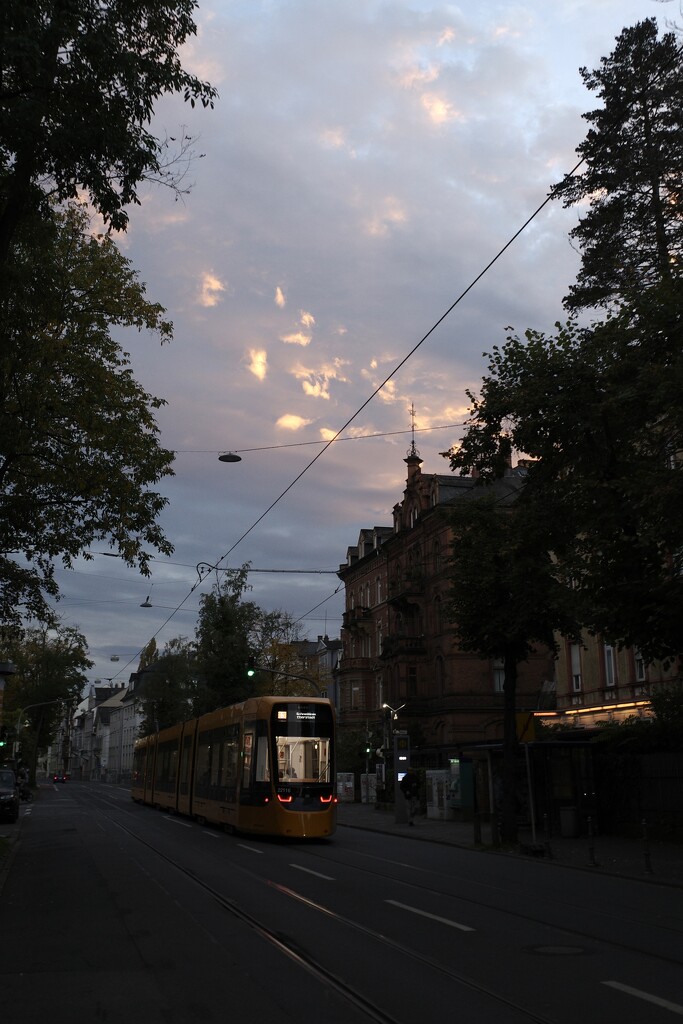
(308, 871)
(252, 849)
(212, 835)
(647, 996)
(176, 821)
(432, 917)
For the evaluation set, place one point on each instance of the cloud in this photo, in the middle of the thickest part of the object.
(440, 110)
(316, 383)
(210, 290)
(390, 213)
(296, 338)
(280, 299)
(307, 319)
(290, 421)
(258, 363)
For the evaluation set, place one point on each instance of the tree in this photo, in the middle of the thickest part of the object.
(79, 443)
(597, 411)
(506, 599)
(79, 82)
(169, 687)
(51, 666)
(225, 636)
(632, 235)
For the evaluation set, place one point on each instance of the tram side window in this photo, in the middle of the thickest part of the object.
(167, 766)
(185, 765)
(139, 765)
(203, 765)
(230, 760)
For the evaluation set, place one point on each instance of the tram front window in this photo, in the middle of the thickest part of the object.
(303, 743)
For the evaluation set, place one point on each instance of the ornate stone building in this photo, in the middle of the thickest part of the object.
(398, 645)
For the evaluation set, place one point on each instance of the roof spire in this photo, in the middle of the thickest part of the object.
(412, 451)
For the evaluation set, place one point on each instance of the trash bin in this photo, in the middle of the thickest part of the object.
(569, 822)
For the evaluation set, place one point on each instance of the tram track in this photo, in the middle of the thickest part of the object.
(290, 948)
(571, 932)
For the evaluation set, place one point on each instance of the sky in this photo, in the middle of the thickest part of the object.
(364, 163)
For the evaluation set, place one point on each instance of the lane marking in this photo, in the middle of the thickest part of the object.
(308, 871)
(212, 835)
(647, 996)
(432, 917)
(252, 849)
(177, 821)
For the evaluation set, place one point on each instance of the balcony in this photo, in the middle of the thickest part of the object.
(406, 589)
(400, 645)
(357, 620)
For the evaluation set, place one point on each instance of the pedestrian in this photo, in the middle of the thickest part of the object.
(409, 788)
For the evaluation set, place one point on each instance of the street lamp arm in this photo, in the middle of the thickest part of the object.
(40, 704)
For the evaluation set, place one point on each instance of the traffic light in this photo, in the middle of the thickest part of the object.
(3, 735)
(251, 668)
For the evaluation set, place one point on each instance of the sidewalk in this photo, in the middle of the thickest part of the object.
(657, 862)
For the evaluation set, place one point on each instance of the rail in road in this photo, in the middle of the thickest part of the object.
(361, 927)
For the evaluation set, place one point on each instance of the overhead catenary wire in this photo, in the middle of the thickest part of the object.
(364, 405)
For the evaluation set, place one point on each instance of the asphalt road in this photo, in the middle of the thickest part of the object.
(114, 912)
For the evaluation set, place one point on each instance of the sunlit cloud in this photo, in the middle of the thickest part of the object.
(418, 76)
(391, 213)
(316, 383)
(333, 138)
(258, 362)
(280, 299)
(439, 110)
(292, 422)
(210, 290)
(296, 338)
(307, 319)
(447, 36)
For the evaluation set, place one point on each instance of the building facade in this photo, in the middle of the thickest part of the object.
(399, 654)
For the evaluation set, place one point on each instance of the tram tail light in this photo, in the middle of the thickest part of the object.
(285, 799)
(326, 799)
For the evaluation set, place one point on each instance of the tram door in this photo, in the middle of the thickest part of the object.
(255, 782)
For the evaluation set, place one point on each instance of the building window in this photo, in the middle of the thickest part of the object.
(640, 665)
(378, 590)
(498, 675)
(576, 667)
(412, 681)
(610, 666)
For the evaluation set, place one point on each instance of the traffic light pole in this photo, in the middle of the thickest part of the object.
(253, 669)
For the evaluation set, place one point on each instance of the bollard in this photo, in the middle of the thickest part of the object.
(591, 843)
(646, 849)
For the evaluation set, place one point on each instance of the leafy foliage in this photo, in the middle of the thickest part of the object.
(79, 82)
(193, 677)
(51, 666)
(596, 409)
(632, 235)
(78, 440)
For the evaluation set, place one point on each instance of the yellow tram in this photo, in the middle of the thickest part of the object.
(265, 766)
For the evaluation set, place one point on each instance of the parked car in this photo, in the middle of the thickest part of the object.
(60, 777)
(9, 795)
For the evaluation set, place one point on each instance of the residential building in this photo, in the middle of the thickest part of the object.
(599, 683)
(398, 644)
